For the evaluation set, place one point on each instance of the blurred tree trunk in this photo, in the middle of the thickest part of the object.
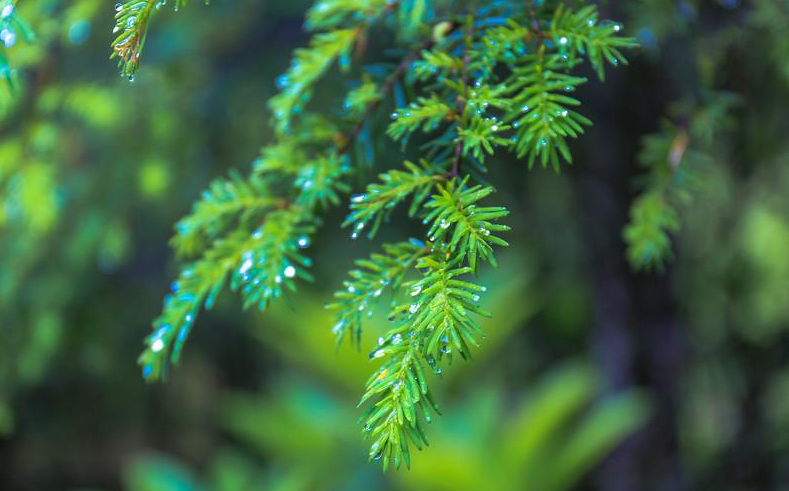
(637, 340)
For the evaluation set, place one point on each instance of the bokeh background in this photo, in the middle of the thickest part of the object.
(592, 377)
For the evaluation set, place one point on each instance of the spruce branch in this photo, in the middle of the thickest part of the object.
(260, 263)
(438, 321)
(261, 272)
(581, 33)
(674, 160)
(426, 113)
(375, 204)
(131, 21)
(307, 66)
(468, 229)
(225, 200)
(371, 278)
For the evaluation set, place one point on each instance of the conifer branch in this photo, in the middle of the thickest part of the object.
(502, 83)
(380, 198)
(437, 321)
(674, 159)
(131, 21)
(467, 228)
(224, 201)
(260, 263)
(368, 282)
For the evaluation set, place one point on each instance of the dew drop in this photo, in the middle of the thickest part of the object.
(157, 345)
(247, 264)
(290, 271)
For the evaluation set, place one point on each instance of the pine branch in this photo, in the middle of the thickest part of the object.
(436, 323)
(12, 29)
(259, 263)
(379, 199)
(652, 220)
(331, 14)
(403, 402)
(131, 21)
(316, 182)
(426, 113)
(308, 65)
(467, 228)
(224, 201)
(320, 181)
(368, 282)
(581, 34)
(542, 115)
(674, 159)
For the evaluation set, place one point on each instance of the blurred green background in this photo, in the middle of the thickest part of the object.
(592, 377)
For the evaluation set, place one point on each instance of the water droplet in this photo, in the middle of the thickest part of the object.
(338, 328)
(358, 198)
(157, 345)
(397, 338)
(351, 289)
(303, 242)
(118, 7)
(413, 308)
(7, 11)
(377, 293)
(278, 279)
(8, 37)
(247, 264)
(380, 341)
(290, 271)
(416, 290)
(563, 40)
(377, 354)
